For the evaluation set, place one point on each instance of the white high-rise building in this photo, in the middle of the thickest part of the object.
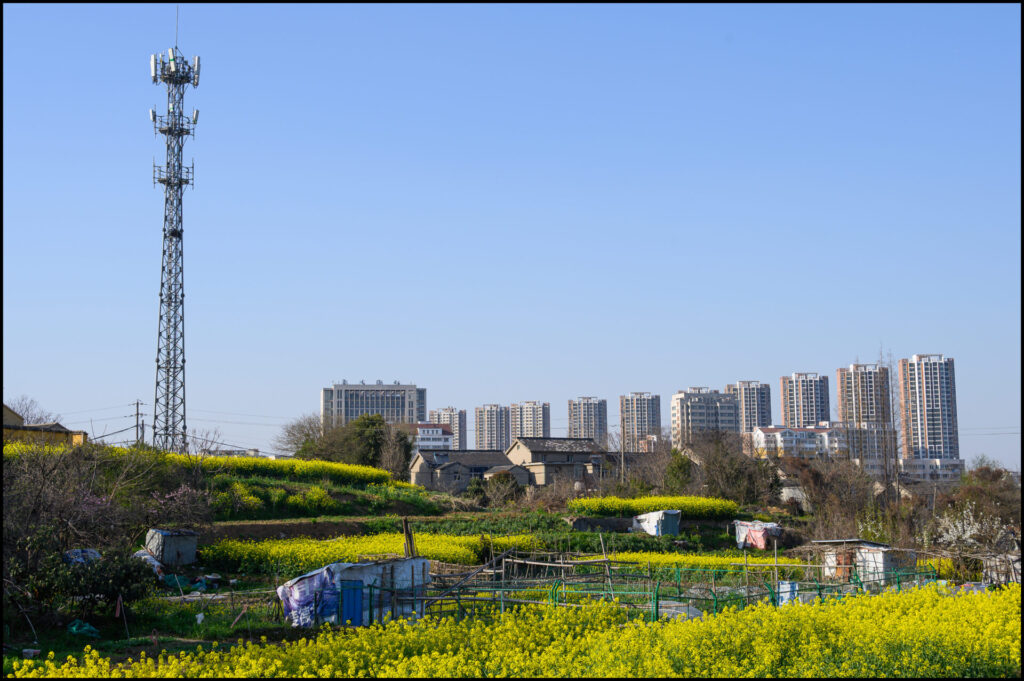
(639, 416)
(396, 402)
(931, 438)
(530, 419)
(492, 427)
(702, 410)
(455, 419)
(588, 417)
(755, 404)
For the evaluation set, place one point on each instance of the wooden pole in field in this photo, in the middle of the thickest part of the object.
(746, 579)
(775, 547)
(607, 567)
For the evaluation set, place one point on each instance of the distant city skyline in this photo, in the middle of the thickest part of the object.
(608, 198)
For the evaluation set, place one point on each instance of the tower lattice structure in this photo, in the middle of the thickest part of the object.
(169, 430)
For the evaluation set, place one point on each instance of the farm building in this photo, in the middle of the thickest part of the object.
(1003, 565)
(172, 547)
(551, 458)
(868, 560)
(356, 593)
(447, 470)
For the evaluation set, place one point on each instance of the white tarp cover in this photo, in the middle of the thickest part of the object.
(657, 523)
(754, 534)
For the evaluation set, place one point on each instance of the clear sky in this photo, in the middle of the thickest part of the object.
(505, 203)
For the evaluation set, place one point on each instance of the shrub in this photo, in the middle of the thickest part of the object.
(79, 589)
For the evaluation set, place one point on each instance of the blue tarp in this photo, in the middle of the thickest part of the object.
(317, 597)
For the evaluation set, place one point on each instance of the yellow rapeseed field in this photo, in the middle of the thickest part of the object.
(695, 560)
(303, 554)
(294, 469)
(916, 633)
(690, 507)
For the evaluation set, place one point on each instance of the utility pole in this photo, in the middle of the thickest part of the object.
(138, 436)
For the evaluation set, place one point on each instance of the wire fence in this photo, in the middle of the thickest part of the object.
(573, 581)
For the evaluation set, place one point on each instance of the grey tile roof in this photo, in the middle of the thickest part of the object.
(473, 458)
(560, 444)
(499, 469)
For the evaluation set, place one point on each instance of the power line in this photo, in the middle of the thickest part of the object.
(240, 423)
(235, 413)
(85, 411)
(100, 437)
(108, 418)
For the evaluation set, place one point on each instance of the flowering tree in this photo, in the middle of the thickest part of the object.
(964, 531)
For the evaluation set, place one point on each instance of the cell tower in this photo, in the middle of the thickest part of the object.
(169, 404)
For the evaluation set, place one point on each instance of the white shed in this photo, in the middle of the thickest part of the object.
(872, 561)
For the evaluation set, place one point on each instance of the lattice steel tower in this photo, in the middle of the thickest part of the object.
(169, 404)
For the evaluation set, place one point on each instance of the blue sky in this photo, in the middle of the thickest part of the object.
(512, 202)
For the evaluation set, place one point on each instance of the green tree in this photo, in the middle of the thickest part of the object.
(678, 473)
(366, 441)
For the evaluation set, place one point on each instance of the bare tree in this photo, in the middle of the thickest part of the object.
(198, 446)
(395, 449)
(92, 496)
(503, 488)
(648, 468)
(30, 410)
(306, 428)
(838, 491)
(725, 471)
(892, 446)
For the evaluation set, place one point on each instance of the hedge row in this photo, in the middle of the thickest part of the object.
(690, 507)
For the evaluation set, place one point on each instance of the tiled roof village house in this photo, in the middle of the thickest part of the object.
(548, 458)
(530, 460)
(447, 470)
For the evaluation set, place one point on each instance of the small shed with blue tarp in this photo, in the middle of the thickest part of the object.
(357, 594)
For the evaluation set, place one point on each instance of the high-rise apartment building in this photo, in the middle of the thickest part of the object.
(530, 419)
(588, 417)
(492, 427)
(931, 440)
(639, 416)
(455, 419)
(865, 414)
(804, 400)
(755, 404)
(863, 392)
(397, 402)
(700, 410)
